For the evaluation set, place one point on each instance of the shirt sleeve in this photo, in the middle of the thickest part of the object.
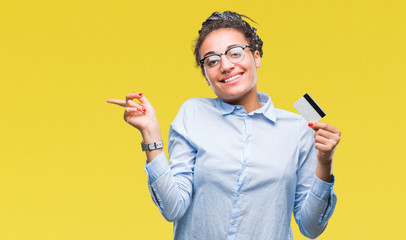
(315, 199)
(171, 185)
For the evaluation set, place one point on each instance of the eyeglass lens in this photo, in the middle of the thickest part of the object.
(234, 55)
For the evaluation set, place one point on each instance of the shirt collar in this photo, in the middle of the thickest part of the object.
(268, 109)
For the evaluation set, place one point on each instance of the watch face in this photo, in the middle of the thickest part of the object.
(159, 144)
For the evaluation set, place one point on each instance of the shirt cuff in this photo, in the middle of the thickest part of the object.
(321, 188)
(156, 167)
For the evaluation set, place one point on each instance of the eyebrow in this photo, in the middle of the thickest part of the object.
(228, 47)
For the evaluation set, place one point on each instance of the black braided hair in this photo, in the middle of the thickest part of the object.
(228, 19)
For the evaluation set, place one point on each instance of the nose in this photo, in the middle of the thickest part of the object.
(225, 65)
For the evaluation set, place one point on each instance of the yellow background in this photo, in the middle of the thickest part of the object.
(70, 168)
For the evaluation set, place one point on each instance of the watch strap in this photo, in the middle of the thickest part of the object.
(152, 146)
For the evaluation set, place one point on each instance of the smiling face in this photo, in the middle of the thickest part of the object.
(234, 83)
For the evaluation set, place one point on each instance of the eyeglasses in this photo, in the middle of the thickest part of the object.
(234, 55)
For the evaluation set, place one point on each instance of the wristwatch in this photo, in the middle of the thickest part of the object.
(152, 146)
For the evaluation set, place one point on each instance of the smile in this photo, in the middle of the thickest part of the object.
(232, 78)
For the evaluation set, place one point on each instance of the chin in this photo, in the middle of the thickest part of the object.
(236, 93)
(234, 97)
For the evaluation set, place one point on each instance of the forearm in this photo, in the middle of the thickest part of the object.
(171, 194)
(316, 209)
(171, 183)
(324, 170)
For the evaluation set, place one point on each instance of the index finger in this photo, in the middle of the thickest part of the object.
(138, 96)
(117, 102)
(321, 125)
(133, 95)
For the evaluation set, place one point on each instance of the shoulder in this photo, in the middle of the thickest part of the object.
(295, 122)
(198, 101)
(282, 117)
(304, 133)
(286, 116)
(196, 105)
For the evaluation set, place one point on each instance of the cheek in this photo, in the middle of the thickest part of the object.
(207, 81)
(206, 76)
(210, 77)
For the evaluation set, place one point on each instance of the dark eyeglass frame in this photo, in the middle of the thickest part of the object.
(225, 53)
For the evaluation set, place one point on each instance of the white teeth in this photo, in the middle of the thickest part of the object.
(232, 78)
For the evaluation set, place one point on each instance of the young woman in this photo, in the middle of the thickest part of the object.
(238, 166)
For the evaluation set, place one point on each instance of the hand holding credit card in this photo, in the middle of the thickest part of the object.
(309, 109)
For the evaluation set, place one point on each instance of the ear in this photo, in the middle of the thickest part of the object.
(257, 58)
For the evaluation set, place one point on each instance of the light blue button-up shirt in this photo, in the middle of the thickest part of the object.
(238, 175)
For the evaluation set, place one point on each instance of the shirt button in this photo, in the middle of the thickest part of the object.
(238, 194)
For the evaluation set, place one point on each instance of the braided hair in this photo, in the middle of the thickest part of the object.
(228, 19)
